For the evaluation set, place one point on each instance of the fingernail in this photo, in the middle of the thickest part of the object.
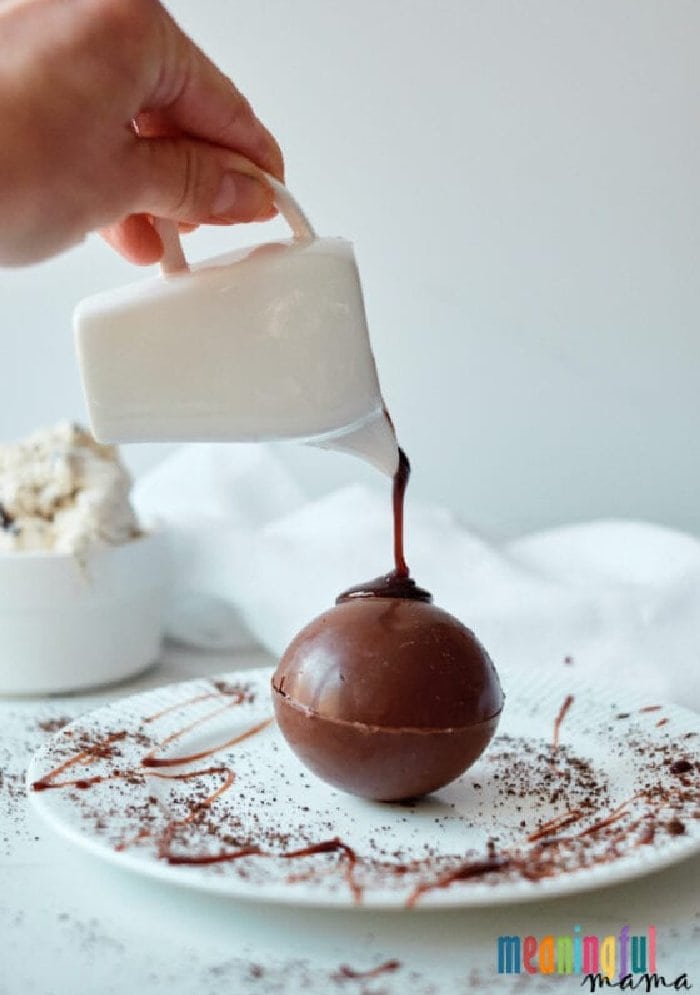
(240, 198)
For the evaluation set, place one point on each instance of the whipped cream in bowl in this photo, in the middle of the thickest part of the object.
(61, 491)
(82, 582)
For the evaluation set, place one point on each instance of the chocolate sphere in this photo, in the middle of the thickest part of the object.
(387, 697)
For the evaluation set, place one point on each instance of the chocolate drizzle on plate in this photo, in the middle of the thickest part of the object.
(151, 760)
(106, 748)
(218, 816)
(344, 972)
(561, 715)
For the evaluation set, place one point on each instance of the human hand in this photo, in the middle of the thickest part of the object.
(110, 115)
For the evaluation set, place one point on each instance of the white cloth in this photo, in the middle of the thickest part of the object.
(254, 560)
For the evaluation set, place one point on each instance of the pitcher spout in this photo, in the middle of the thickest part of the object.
(373, 440)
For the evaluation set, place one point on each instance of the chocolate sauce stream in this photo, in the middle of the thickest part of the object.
(398, 583)
(401, 477)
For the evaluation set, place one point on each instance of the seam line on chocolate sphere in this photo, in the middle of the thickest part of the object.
(380, 728)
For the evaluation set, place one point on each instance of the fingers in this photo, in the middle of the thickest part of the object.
(192, 125)
(189, 181)
(136, 239)
(202, 102)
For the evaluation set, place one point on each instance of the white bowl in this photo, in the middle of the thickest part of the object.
(66, 625)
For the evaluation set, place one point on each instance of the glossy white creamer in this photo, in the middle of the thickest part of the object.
(266, 343)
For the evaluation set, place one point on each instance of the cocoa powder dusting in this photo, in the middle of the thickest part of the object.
(210, 821)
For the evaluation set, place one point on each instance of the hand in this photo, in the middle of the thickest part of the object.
(109, 115)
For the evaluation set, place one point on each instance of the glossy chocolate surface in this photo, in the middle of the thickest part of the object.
(385, 695)
(376, 763)
(387, 698)
(391, 663)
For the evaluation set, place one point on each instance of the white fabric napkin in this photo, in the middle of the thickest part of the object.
(254, 560)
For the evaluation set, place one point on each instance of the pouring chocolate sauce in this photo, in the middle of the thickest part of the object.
(386, 695)
(398, 583)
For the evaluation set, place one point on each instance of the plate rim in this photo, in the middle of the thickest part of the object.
(478, 895)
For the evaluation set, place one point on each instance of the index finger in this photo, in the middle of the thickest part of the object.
(202, 102)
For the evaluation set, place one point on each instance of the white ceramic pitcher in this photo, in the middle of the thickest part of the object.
(266, 343)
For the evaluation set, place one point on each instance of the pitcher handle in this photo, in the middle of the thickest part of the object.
(174, 260)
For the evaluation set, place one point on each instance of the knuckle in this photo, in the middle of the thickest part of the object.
(194, 186)
(239, 118)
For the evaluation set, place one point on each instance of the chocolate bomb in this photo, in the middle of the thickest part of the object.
(385, 695)
(387, 698)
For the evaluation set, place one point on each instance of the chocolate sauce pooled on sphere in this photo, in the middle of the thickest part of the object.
(385, 695)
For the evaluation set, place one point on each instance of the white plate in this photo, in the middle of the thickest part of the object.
(273, 803)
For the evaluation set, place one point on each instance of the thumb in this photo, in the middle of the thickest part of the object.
(189, 180)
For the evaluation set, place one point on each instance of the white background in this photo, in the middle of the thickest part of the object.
(522, 181)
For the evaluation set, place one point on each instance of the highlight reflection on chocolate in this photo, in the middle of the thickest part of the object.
(387, 698)
(385, 695)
